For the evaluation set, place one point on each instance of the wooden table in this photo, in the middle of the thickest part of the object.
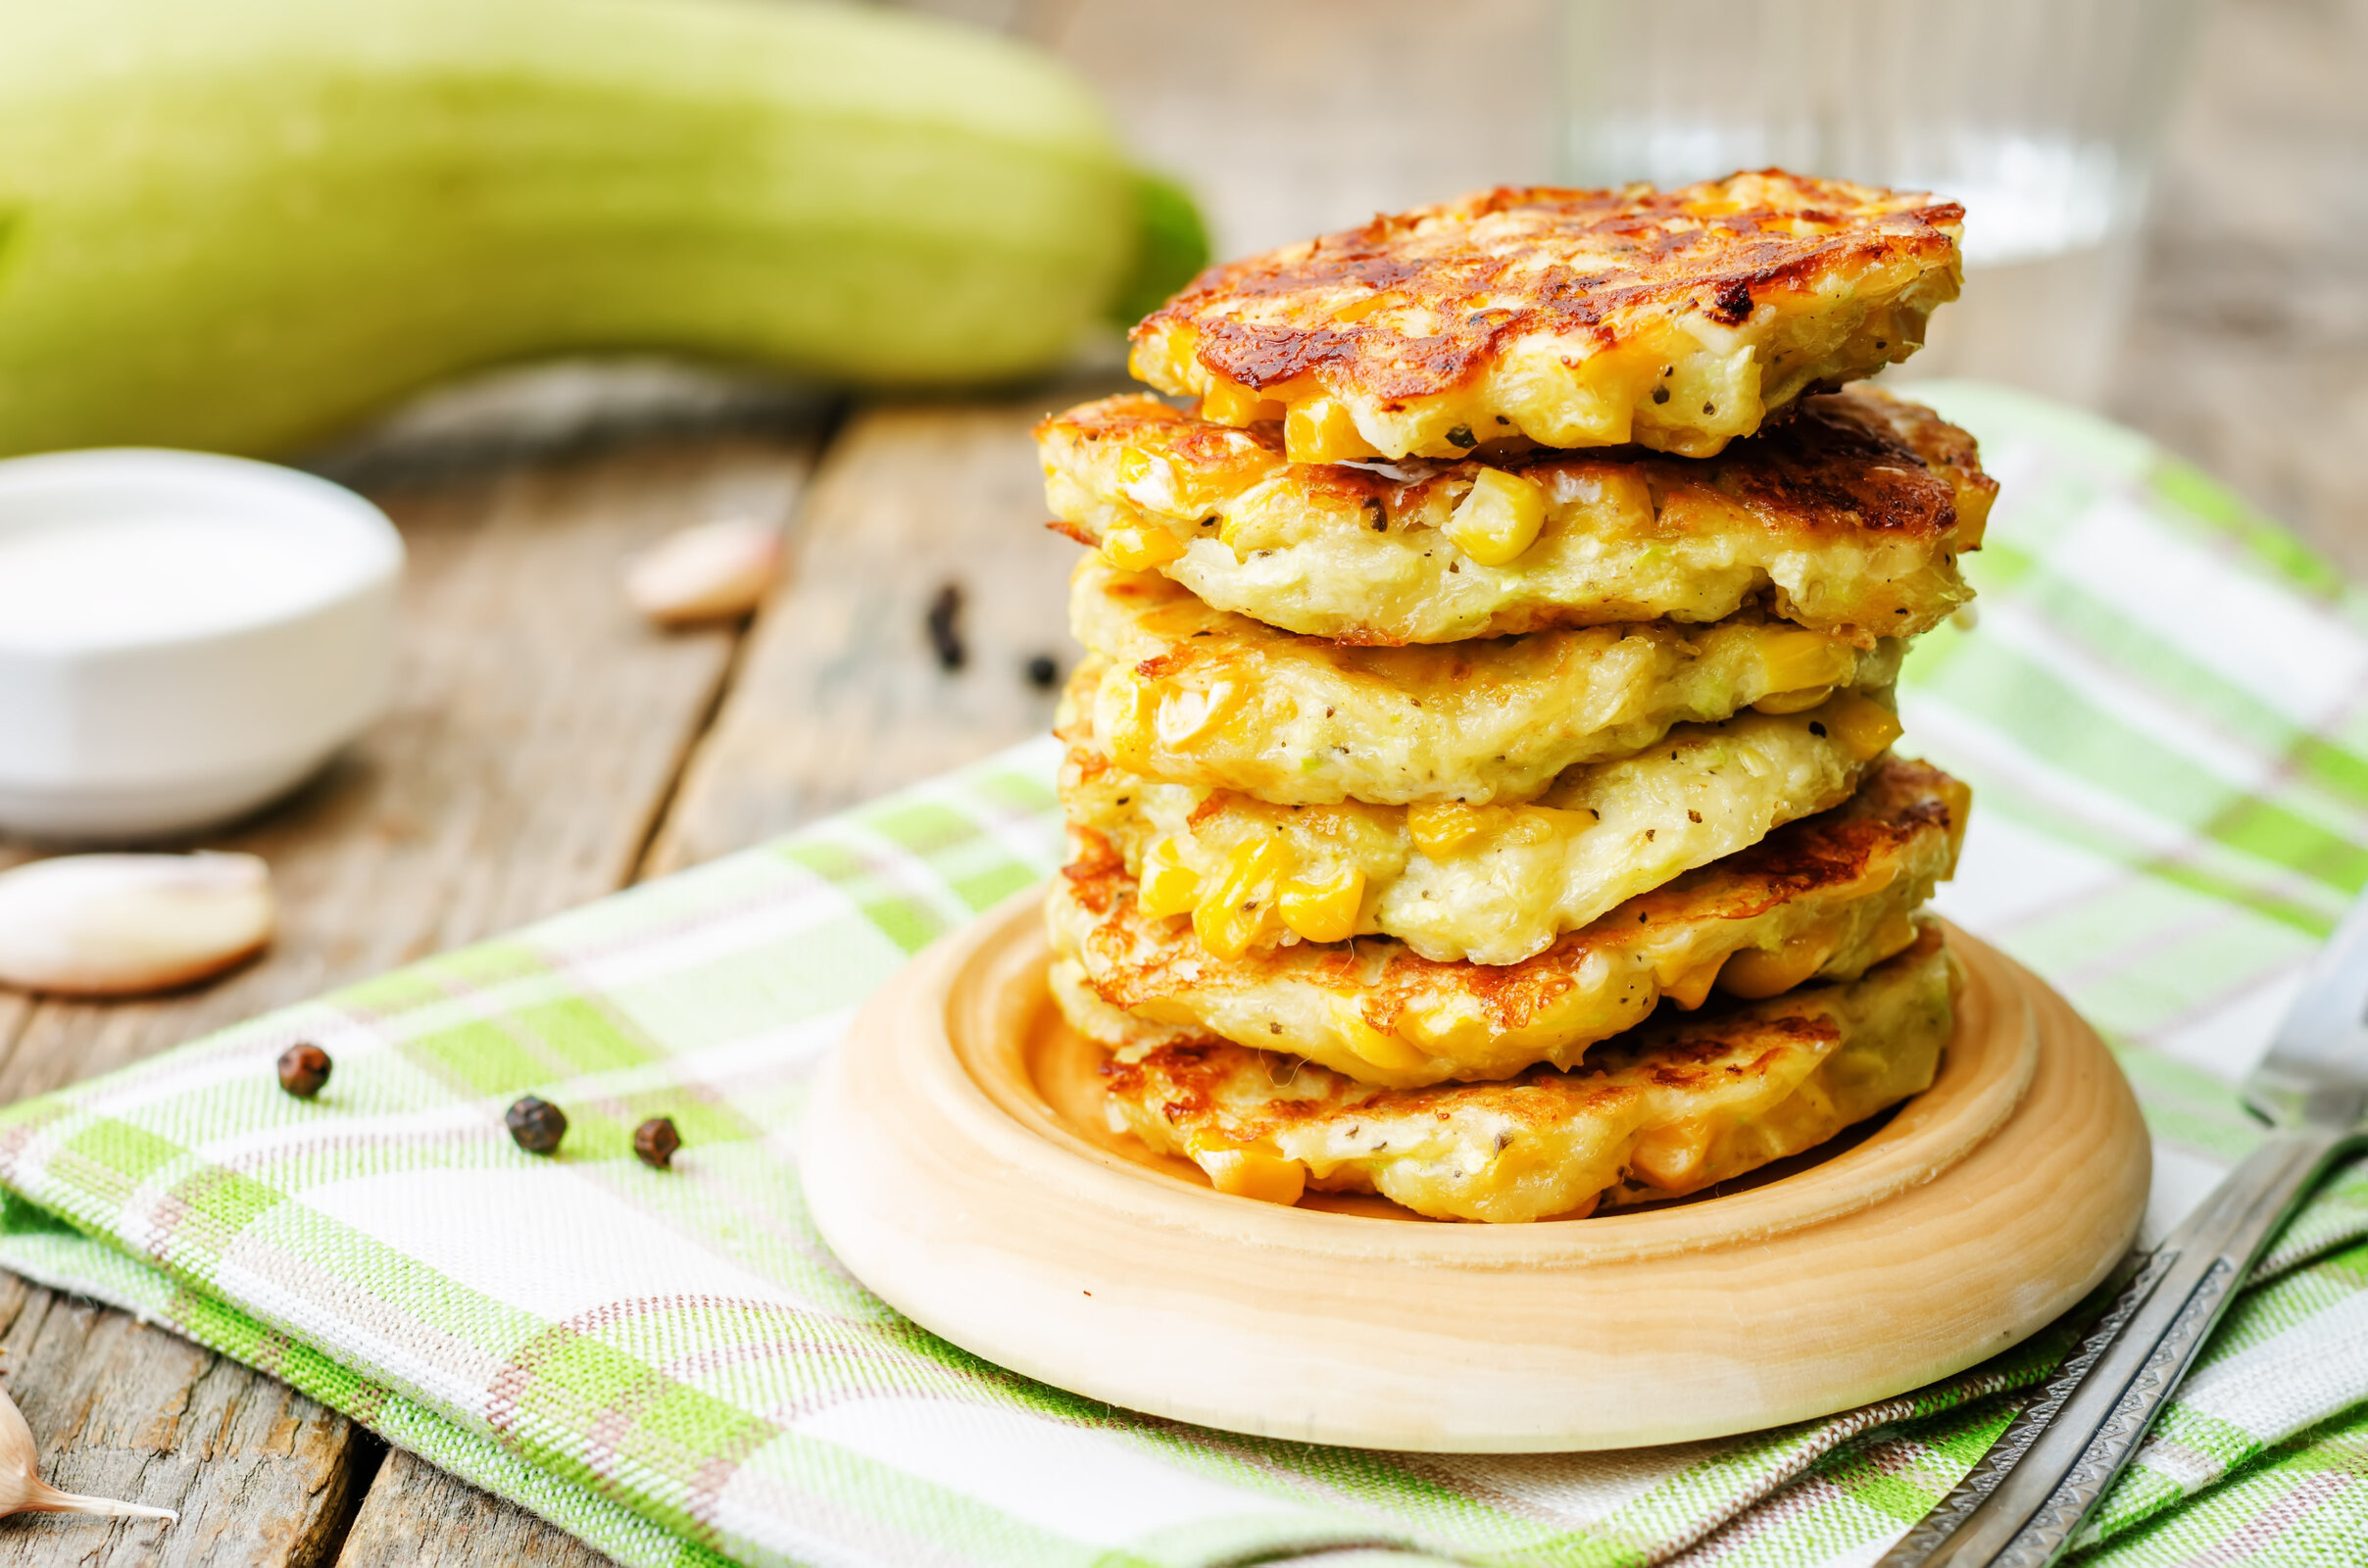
(546, 749)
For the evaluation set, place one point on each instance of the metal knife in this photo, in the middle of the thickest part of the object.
(2022, 1504)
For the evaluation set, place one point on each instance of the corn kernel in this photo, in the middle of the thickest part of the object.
(1322, 431)
(1860, 723)
(1799, 702)
(1325, 911)
(1671, 1158)
(1234, 912)
(1122, 717)
(1185, 712)
(1149, 481)
(1358, 309)
(1163, 361)
(1756, 972)
(1167, 886)
(1384, 1050)
(1440, 827)
(1244, 1170)
(1139, 547)
(1794, 661)
(1973, 513)
(1444, 1028)
(1231, 403)
(1499, 518)
(1689, 987)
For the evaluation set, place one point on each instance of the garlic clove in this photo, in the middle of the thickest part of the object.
(715, 571)
(112, 925)
(22, 1491)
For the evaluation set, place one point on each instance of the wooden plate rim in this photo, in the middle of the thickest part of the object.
(991, 975)
(1946, 1238)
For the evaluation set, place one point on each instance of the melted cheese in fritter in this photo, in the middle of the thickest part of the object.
(1846, 518)
(1491, 883)
(1668, 1110)
(1818, 898)
(1189, 695)
(1677, 319)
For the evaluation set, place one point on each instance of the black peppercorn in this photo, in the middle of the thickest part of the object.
(655, 1142)
(536, 1125)
(303, 1069)
(1043, 671)
(943, 626)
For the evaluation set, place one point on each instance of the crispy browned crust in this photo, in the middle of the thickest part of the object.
(1853, 460)
(1185, 1079)
(1464, 277)
(1898, 803)
(1684, 1102)
(1858, 459)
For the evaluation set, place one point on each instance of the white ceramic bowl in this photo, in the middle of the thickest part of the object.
(183, 637)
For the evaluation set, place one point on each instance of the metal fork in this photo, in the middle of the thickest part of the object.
(2021, 1507)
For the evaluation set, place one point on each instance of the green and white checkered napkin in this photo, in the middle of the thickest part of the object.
(2162, 716)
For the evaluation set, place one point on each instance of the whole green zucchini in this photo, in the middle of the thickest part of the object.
(240, 225)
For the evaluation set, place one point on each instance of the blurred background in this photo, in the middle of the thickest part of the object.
(2167, 219)
(2226, 315)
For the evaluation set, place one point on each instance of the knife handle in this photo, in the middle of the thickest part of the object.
(2030, 1519)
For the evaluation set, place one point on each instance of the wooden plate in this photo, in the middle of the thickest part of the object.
(955, 1162)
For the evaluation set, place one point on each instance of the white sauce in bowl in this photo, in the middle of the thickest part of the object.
(105, 582)
(184, 637)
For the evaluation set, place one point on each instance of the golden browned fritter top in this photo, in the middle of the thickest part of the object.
(1678, 319)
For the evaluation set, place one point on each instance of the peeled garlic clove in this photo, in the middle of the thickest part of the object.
(22, 1491)
(112, 925)
(714, 571)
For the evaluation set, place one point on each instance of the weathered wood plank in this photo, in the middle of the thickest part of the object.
(841, 694)
(417, 1514)
(260, 1473)
(538, 731)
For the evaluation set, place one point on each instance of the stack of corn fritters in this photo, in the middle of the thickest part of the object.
(1480, 778)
